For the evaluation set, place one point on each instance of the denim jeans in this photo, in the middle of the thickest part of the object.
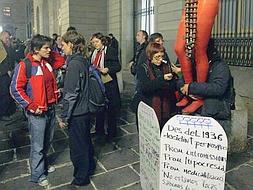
(41, 129)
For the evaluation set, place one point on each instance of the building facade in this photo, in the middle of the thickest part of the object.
(124, 18)
(16, 17)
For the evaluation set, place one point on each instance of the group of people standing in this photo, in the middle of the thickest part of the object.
(34, 87)
(158, 83)
(206, 87)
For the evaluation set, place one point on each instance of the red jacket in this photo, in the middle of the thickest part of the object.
(32, 94)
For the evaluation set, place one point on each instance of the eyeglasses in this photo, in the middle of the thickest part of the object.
(159, 41)
(158, 57)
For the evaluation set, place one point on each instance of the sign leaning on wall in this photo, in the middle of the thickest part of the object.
(149, 140)
(193, 154)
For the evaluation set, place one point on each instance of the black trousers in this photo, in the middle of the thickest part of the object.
(111, 124)
(81, 148)
(6, 102)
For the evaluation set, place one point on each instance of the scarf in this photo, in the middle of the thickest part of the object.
(163, 100)
(98, 57)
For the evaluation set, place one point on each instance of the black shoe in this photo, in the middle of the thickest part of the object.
(5, 118)
(80, 183)
(92, 170)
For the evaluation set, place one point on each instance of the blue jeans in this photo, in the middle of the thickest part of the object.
(41, 129)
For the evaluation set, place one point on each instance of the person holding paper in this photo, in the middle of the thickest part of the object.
(105, 58)
(156, 84)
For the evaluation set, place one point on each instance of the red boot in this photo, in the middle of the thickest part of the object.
(193, 107)
(183, 102)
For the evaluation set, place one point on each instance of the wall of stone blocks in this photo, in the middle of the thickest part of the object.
(167, 17)
(243, 85)
(88, 16)
(53, 16)
(114, 18)
(120, 23)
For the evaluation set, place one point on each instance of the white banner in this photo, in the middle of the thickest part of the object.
(149, 139)
(193, 154)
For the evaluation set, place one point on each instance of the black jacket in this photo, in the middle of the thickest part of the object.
(115, 44)
(111, 61)
(75, 98)
(146, 88)
(216, 90)
(140, 50)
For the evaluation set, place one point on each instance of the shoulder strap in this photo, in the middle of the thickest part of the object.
(28, 68)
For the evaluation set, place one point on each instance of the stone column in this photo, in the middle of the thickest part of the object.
(127, 33)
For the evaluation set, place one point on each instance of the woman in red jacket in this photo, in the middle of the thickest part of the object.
(37, 94)
(191, 44)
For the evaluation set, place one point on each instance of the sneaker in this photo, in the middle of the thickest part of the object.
(44, 182)
(50, 169)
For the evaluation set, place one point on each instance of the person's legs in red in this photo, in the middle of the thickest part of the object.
(206, 12)
(184, 61)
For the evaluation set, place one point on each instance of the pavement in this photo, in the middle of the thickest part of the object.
(117, 161)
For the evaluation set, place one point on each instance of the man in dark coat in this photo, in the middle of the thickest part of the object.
(114, 43)
(217, 91)
(6, 67)
(142, 42)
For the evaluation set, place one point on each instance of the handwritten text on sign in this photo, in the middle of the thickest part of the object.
(149, 138)
(193, 154)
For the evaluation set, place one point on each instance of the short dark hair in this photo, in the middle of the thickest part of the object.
(110, 35)
(154, 36)
(101, 37)
(55, 36)
(211, 49)
(38, 41)
(71, 28)
(144, 34)
(76, 39)
(5, 31)
(154, 48)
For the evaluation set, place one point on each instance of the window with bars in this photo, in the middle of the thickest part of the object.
(7, 11)
(144, 15)
(233, 32)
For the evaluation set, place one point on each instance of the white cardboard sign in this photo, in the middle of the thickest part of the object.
(193, 154)
(149, 141)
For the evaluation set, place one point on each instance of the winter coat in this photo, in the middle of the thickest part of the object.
(31, 94)
(111, 61)
(216, 91)
(151, 87)
(75, 97)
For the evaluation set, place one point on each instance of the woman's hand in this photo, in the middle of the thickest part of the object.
(38, 111)
(104, 70)
(175, 69)
(62, 125)
(185, 89)
(168, 76)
